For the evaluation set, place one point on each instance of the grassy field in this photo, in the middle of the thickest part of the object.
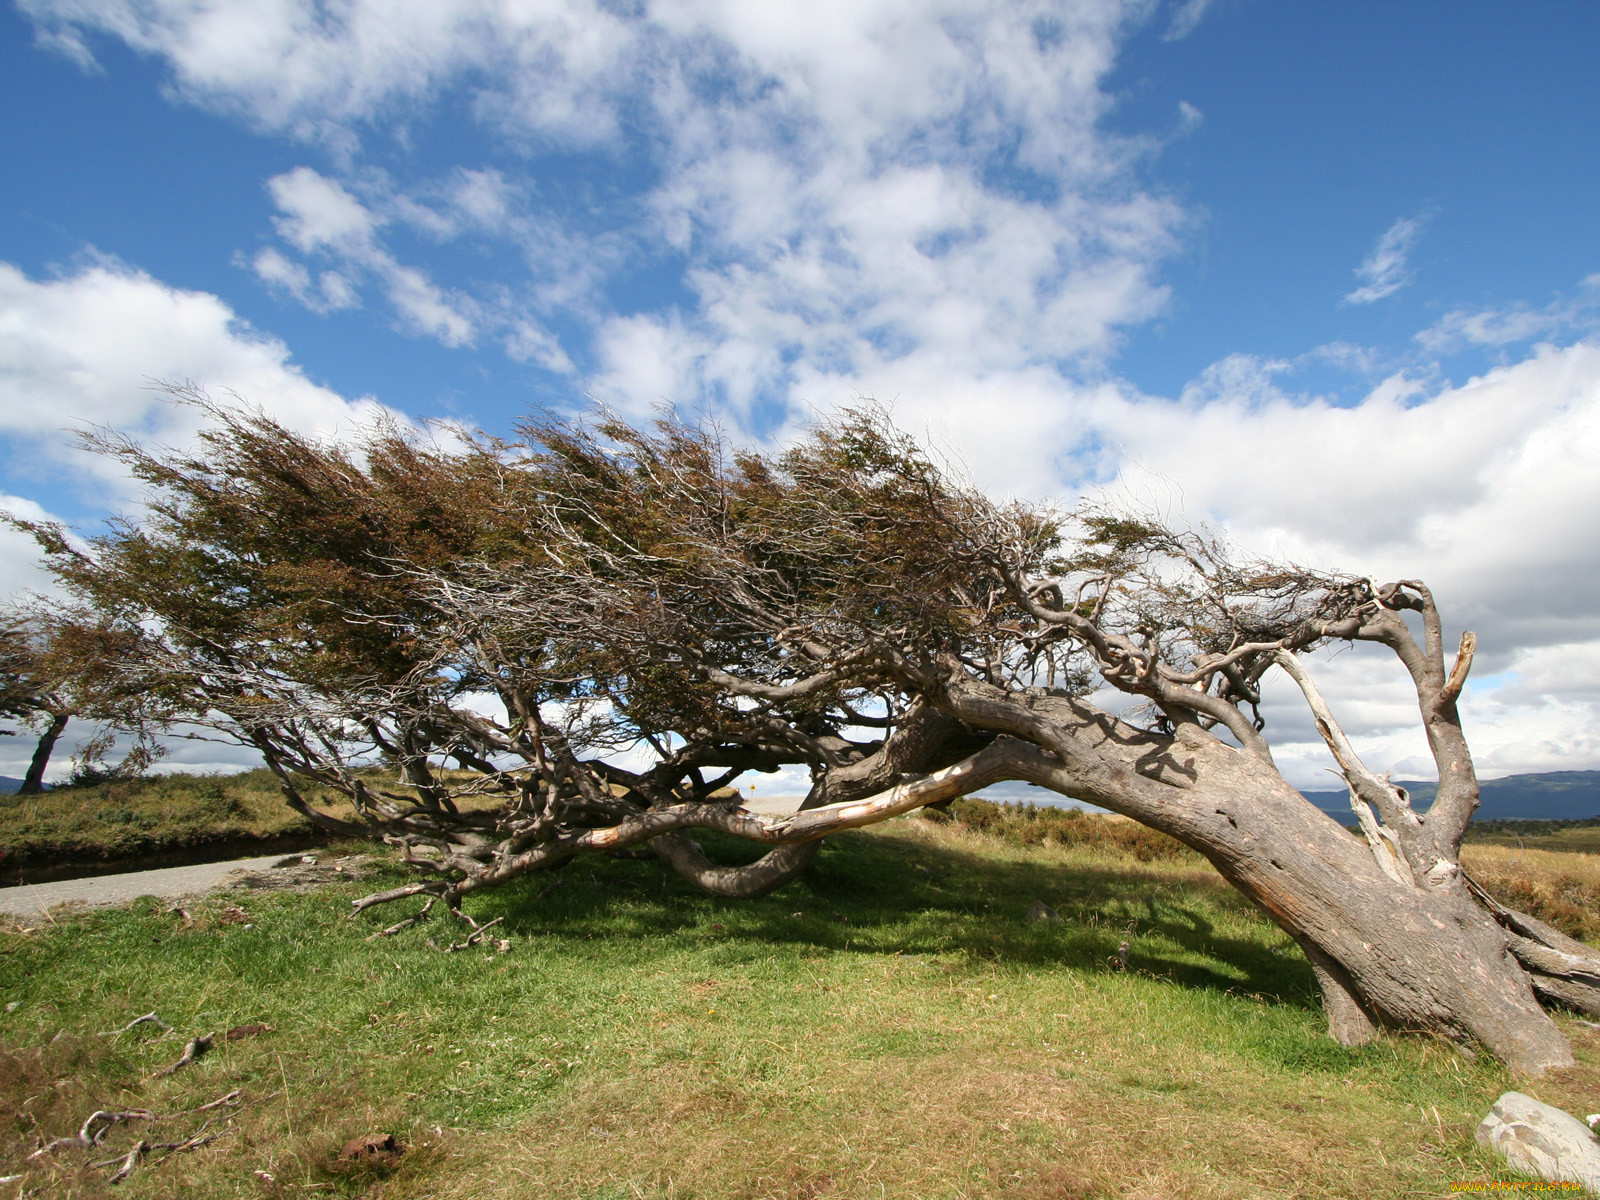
(128, 819)
(1581, 837)
(131, 820)
(890, 1026)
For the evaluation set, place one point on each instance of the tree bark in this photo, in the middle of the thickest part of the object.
(33, 781)
(1385, 951)
(769, 872)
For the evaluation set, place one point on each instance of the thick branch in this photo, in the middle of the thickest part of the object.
(1365, 786)
(996, 762)
(768, 873)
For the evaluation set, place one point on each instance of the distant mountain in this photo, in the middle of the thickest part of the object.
(1547, 796)
(8, 785)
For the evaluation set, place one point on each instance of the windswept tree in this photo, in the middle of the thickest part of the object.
(495, 621)
(56, 665)
(30, 693)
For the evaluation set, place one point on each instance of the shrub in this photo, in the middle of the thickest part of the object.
(1038, 825)
(1571, 904)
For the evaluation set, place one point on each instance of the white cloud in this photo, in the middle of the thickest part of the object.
(317, 71)
(330, 292)
(424, 308)
(1462, 327)
(325, 221)
(845, 184)
(318, 216)
(1495, 471)
(278, 272)
(1186, 19)
(1385, 271)
(83, 350)
(526, 342)
(861, 201)
(915, 199)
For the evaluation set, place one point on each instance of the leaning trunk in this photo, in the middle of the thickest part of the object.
(1386, 950)
(33, 781)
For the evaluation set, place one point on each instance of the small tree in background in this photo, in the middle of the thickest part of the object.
(54, 666)
(30, 693)
(495, 621)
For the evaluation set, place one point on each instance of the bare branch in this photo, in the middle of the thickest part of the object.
(1458, 673)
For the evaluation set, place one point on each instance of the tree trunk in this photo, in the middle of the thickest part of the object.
(768, 873)
(1385, 950)
(33, 781)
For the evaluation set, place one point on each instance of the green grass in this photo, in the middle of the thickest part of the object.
(132, 818)
(887, 1026)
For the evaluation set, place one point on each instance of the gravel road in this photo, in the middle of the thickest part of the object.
(30, 899)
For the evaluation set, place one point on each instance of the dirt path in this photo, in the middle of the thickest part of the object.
(30, 899)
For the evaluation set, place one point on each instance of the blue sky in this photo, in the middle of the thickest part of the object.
(1328, 274)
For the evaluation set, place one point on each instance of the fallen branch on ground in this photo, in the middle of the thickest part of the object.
(94, 1129)
(101, 1122)
(195, 1048)
(128, 1161)
(501, 944)
(413, 919)
(149, 1018)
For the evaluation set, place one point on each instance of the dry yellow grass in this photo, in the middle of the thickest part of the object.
(1559, 887)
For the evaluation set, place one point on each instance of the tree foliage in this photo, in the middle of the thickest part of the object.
(52, 669)
(583, 639)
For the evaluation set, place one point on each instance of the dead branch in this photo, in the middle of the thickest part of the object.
(194, 1049)
(1458, 673)
(227, 1101)
(128, 1161)
(102, 1121)
(149, 1018)
(415, 918)
(95, 1127)
(474, 938)
(399, 893)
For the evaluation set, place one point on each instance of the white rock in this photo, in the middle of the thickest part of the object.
(1540, 1140)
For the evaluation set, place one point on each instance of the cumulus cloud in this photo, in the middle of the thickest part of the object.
(1386, 270)
(840, 188)
(83, 349)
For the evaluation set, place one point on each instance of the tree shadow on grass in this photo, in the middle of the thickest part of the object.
(886, 895)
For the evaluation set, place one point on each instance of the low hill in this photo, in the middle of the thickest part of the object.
(1546, 796)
